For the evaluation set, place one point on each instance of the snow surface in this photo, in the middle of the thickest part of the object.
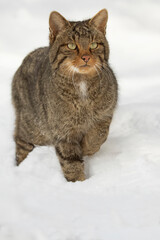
(120, 199)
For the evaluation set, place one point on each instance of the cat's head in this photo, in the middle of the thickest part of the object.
(79, 47)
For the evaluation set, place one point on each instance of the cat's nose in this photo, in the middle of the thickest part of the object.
(85, 58)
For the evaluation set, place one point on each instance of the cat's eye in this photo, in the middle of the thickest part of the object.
(93, 45)
(72, 46)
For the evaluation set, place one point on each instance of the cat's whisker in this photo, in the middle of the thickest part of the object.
(95, 67)
(68, 70)
(99, 70)
(71, 69)
(99, 67)
(99, 64)
(102, 67)
(73, 79)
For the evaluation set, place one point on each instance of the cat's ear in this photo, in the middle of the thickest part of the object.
(100, 20)
(56, 24)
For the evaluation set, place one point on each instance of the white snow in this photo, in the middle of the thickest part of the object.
(120, 199)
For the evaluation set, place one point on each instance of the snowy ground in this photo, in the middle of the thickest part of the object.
(120, 199)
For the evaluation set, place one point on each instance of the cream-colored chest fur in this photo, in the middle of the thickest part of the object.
(83, 89)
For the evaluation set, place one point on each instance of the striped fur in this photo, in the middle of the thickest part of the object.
(59, 101)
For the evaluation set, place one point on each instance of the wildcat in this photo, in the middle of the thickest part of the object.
(65, 94)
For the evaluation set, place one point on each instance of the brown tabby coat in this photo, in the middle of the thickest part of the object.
(66, 97)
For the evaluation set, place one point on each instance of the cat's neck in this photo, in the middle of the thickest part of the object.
(77, 78)
(78, 85)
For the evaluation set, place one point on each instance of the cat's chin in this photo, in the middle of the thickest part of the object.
(85, 69)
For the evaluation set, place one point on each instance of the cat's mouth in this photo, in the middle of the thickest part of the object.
(81, 68)
(86, 69)
(85, 65)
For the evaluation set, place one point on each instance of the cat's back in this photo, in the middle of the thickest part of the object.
(32, 64)
(28, 74)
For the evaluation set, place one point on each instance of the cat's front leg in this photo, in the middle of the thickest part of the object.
(70, 157)
(95, 137)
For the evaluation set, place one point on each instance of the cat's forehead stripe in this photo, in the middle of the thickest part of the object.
(81, 29)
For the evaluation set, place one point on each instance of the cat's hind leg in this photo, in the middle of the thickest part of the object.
(22, 150)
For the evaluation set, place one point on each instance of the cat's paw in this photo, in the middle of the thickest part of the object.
(75, 177)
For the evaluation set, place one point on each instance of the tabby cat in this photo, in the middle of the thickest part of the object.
(65, 94)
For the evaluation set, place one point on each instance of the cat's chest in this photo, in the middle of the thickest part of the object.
(82, 89)
(84, 107)
(82, 111)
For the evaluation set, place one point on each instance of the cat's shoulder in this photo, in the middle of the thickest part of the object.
(37, 55)
(34, 61)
